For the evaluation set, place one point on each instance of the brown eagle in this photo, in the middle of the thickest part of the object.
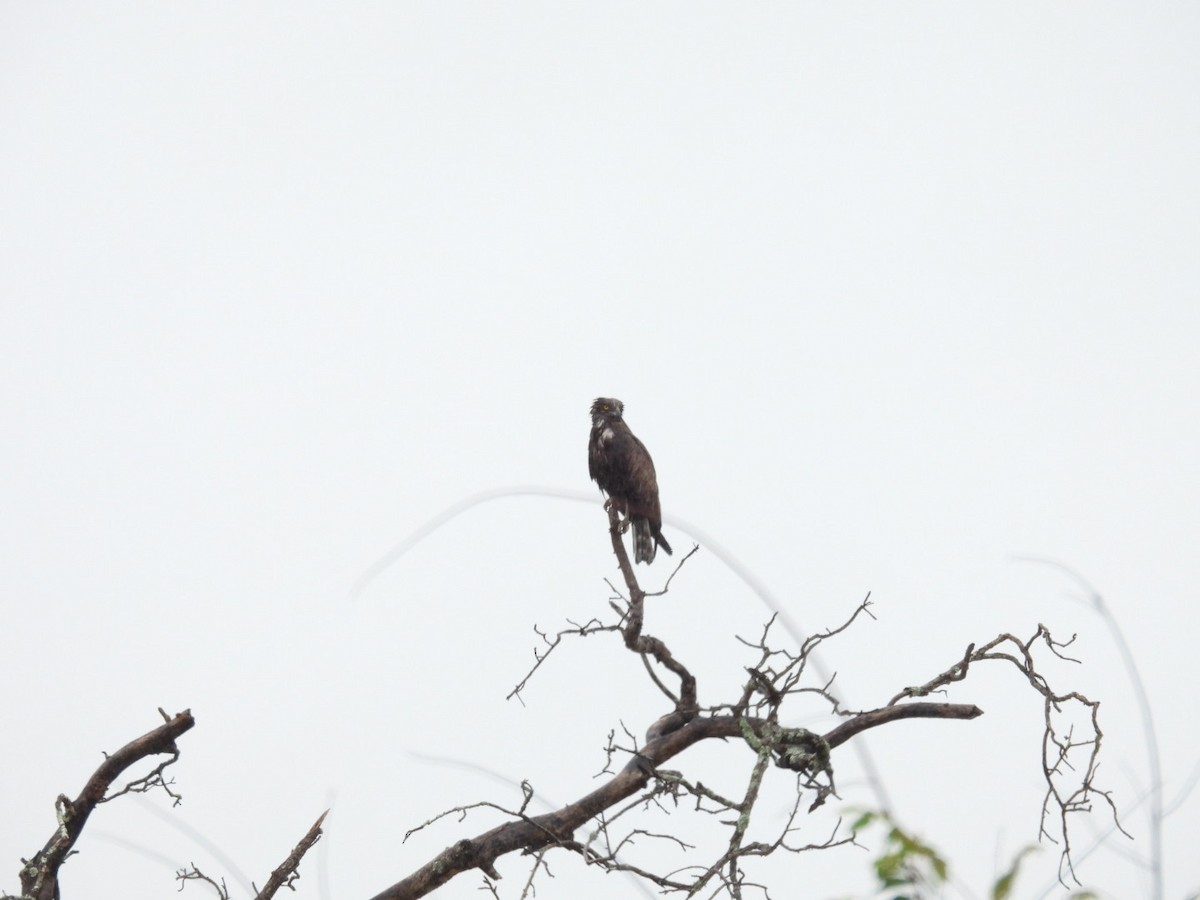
(621, 465)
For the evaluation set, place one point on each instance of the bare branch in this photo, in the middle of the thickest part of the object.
(679, 565)
(533, 833)
(957, 672)
(593, 626)
(638, 642)
(1067, 790)
(777, 675)
(194, 874)
(39, 876)
(288, 871)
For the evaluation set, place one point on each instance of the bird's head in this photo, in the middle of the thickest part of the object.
(607, 409)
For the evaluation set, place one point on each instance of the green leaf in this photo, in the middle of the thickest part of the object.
(863, 820)
(1002, 889)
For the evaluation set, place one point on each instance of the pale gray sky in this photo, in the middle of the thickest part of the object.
(892, 293)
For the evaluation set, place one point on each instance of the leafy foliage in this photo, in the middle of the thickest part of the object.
(910, 869)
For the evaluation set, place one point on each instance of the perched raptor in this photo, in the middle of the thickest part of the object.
(621, 465)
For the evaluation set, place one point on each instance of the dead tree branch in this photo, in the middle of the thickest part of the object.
(289, 870)
(686, 707)
(285, 875)
(754, 720)
(533, 833)
(39, 875)
(194, 874)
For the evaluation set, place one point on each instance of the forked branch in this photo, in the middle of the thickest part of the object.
(39, 875)
(558, 827)
(755, 720)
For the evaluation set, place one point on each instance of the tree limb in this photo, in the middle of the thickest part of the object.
(559, 826)
(288, 870)
(39, 876)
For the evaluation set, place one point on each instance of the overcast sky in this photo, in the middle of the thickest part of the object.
(893, 292)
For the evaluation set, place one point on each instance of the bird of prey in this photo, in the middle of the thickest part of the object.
(620, 464)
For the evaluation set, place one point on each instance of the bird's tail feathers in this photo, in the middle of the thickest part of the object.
(644, 547)
(662, 542)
